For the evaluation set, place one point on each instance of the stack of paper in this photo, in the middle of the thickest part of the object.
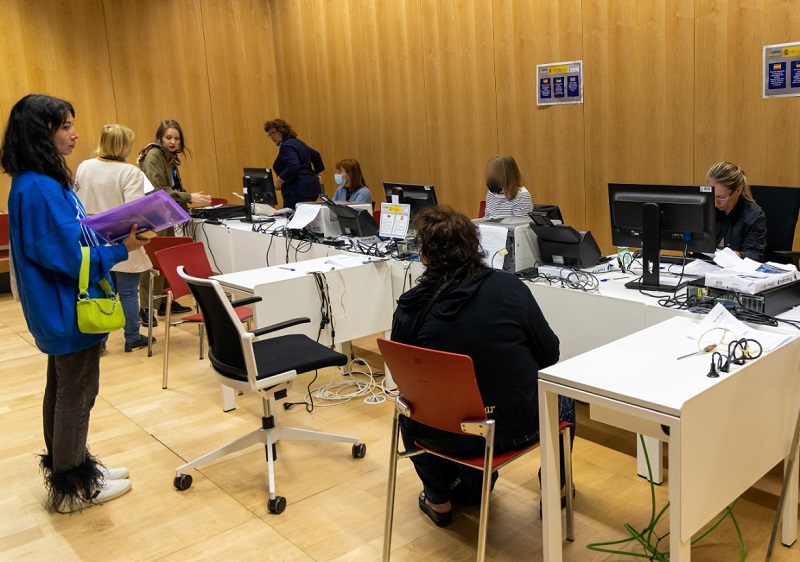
(748, 276)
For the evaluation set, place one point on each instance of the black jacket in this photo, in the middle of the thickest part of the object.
(744, 230)
(297, 165)
(495, 320)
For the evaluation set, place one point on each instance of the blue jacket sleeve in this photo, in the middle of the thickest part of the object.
(52, 239)
(363, 195)
(291, 161)
(316, 161)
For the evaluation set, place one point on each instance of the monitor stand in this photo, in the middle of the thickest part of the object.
(651, 250)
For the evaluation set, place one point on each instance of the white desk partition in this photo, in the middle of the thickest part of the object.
(360, 295)
(746, 418)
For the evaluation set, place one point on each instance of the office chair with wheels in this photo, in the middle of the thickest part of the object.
(195, 261)
(151, 248)
(267, 366)
(439, 389)
(781, 206)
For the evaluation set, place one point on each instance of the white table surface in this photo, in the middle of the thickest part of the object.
(724, 433)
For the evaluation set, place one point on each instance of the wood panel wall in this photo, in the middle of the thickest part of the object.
(208, 64)
(422, 90)
(671, 86)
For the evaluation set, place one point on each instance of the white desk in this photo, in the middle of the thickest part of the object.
(711, 422)
(360, 296)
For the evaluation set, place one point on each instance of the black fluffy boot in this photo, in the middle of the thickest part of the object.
(69, 489)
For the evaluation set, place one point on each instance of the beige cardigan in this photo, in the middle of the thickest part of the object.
(105, 184)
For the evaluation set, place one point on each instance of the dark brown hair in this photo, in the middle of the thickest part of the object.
(282, 127)
(449, 245)
(353, 170)
(172, 124)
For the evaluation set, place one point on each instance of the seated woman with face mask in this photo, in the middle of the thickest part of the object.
(350, 182)
(506, 195)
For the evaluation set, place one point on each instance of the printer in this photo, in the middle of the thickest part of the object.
(326, 224)
(522, 245)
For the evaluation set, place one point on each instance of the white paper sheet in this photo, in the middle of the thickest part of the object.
(303, 215)
(493, 241)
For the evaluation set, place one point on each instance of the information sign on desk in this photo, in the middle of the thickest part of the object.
(395, 220)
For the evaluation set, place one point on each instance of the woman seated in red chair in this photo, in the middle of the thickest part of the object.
(463, 306)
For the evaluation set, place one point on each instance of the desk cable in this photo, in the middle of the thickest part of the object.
(648, 539)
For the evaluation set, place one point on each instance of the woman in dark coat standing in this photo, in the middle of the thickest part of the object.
(298, 166)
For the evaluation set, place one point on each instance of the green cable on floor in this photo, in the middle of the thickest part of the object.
(645, 537)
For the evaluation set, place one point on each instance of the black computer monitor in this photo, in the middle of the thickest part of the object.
(417, 196)
(656, 217)
(262, 186)
(353, 222)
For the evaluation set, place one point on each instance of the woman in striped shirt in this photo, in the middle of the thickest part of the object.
(506, 196)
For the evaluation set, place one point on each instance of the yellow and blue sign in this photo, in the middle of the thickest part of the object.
(559, 83)
(781, 76)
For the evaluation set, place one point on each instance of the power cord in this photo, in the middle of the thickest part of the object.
(645, 537)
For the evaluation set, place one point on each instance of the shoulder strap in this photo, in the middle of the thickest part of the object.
(83, 276)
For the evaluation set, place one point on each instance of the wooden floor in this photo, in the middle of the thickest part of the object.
(336, 503)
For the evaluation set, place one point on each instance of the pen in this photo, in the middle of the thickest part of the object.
(288, 268)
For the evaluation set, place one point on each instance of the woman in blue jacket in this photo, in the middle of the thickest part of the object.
(46, 241)
(298, 166)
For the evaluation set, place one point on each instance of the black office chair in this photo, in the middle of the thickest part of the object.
(267, 366)
(552, 212)
(781, 205)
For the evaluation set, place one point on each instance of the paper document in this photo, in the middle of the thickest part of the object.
(303, 215)
(720, 319)
(341, 262)
(148, 187)
(493, 242)
(395, 220)
(696, 268)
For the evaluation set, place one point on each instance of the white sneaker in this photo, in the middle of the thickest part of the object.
(114, 473)
(111, 489)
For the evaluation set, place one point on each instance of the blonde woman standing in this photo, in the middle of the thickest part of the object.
(741, 223)
(506, 196)
(106, 182)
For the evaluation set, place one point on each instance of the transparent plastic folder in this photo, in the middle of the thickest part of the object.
(155, 211)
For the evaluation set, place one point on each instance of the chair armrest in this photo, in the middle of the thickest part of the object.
(245, 301)
(280, 326)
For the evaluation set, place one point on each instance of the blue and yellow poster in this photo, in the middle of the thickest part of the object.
(559, 83)
(781, 70)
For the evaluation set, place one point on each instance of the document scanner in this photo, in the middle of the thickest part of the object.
(522, 245)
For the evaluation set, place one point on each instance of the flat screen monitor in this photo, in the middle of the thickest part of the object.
(353, 222)
(262, 186)
(416, 196)
(656, 217)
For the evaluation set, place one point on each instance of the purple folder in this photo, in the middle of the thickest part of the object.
(155, 211)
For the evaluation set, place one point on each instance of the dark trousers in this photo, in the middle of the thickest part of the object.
(444, 480)
(73, 381)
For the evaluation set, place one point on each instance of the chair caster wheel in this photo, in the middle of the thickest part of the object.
(182, 482)
(359, 450)
(277, 506)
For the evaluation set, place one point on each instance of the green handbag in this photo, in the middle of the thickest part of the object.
(97, 316)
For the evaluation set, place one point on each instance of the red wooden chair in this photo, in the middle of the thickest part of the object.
(215, 201)
(439, 389)
(5, 237)
(194, 259)
(482, 209)
(152, 248)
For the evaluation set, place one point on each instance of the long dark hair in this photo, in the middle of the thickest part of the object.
(172, 124)
(449, 246)
(28, 140)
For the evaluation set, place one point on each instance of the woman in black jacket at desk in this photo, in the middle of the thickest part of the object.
(741, 224)
(298, 166)
(462, 306)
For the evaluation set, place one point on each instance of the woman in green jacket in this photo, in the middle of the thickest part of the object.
(159, 161)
